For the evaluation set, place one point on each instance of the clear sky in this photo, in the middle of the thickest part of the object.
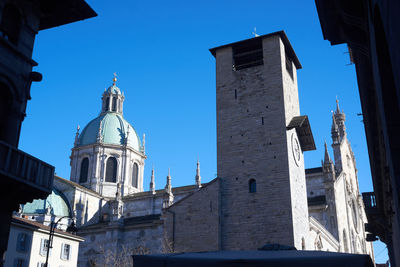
(159, 50)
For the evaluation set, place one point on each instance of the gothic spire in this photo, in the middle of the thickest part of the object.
(337, 106)
(168, 187)
(327, 158)
(77, 136)
(335, 130)
(198, 177)
(340, 118)
(152, 182)
(168, 197)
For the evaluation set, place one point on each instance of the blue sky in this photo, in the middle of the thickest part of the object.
(159, 49)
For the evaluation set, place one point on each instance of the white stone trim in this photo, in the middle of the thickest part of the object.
(317, 227)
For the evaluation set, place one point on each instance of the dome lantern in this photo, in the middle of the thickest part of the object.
(112, 99)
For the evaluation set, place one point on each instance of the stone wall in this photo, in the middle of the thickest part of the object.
(109, 243)
(192, 224)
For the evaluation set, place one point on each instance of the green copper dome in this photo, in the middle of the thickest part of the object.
(112, 128)
(56, 202)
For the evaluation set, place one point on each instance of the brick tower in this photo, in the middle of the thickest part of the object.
(261, 138)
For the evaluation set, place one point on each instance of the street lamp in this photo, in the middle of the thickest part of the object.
(71, 228)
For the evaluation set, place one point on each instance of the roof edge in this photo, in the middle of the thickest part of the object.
(281, 33)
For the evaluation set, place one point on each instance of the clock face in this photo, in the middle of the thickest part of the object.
(296, 149)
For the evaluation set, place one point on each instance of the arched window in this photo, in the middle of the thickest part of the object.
(111, 170)
(135, 172)
(107, 104)
(303, 244)
(114, 104)
(10, 23)
(84, 170)
(252, 186)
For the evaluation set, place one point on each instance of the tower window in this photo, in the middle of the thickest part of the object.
(111, 170)
(252, 186)
(135, 171)
(114, 104)
(10, 23)
(248, 54)
(289, 66)
(84, 171)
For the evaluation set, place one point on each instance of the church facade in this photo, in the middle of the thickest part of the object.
(263, 193)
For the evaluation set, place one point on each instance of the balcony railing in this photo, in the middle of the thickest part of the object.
(24, 168)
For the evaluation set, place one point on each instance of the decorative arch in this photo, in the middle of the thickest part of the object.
(84, 171)
(111, 170)
(135, 174)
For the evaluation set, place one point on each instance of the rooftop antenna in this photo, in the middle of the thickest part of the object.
(255, 32)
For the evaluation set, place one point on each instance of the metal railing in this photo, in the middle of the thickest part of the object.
(25, 168)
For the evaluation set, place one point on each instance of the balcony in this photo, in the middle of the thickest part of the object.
(375, 225)
(22, 176)
(370, 203)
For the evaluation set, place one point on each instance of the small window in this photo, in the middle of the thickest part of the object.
(111, 170)
(20, 263)
(84, 171)
(44, 246)
(65, 251)
(289, 67)
(248, 54)
(23, 241)
(10, 23)
(42, 264)
(252, 186)
(135, 172)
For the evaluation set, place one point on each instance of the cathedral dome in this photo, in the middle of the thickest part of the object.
(112, 128)
(56, 203)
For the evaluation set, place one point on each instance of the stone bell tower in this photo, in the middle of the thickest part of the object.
(261, 138)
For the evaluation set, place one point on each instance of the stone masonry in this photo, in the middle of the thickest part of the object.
(254, 107)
